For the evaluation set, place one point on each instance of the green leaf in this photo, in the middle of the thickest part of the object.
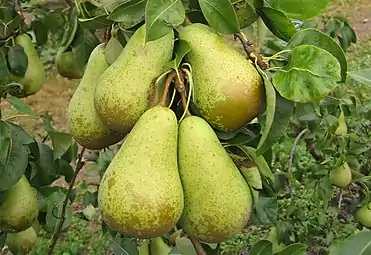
(294, 249)
(70, 30)
(61, 143)
(262, 247)
(277, 22)
(113, 50)
(246, 13)
(356, 244)
(17, 60)
(311, 36)
(185, 246)
(65, 169)
(7, 28)
(363, 76)
(259, 161)
(5, 142)
(266, 210)
(299, 9)
(221, 15)
(54, 209)
(97, 22)
(90, 198)
(2, 239)
(252, 176)
(129, 13)
(282, 116)
(19, 105)
(41, 31)
(161, 15)
(123, 246)
(310, 74)
(323, 189)
(4, 72)
(181, 48)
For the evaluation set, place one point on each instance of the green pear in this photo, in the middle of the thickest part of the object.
(141, 194)
(83, 120)
(21, 242)
(159, 247)
(363, 215)
(123, 90)
(34, 78)
(341, 176)
(19, 209)
(342, 129)
(228, 90)
(217, 199)
(68, 66)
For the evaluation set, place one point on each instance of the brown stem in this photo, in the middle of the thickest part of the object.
(198, 247)
(179, 85)
(18, 9)
(107, 36)
(168, 82)
(57, 232)
(250, 51)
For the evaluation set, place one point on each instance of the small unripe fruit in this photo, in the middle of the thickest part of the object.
(363, 215)
(341, 176)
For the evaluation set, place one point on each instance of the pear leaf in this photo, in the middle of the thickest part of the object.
(61, 143)
(83, 44)
(5, 142)
(266, 211)
(294, 249)
(129, 13)
(17, 60)
(161, 16)
(54, 208)
(277, 22)
(71, 28)
(246, 13)
(113, 50)
(299, 9)
(19, 105)
(123, 246)
(97, 22)
(40, 30)
(310, 74)
(363, 76)
(181, 49)
(357, 244)
(262, 247)
(4, 72)
(311, 36)
(221, 15)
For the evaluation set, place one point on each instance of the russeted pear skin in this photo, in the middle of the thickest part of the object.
(123, 90)
(34, 77)
(19, 209)
(228, 90)
(21, 242)
(217, 200)
(83, 120)
(140, 194)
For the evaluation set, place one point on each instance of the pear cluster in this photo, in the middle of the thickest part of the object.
(167, 173)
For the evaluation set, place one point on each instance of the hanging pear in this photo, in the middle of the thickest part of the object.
(19, 208)
(83, 120)
(341, 176)
(68, 66)
(140, 194)
(228, 90)
(21, 242)
(34, 77)
(123, 90)
(217, 200)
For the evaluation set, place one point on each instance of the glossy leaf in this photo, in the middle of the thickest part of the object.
(262, 247)
(181, 48)
(19, 105)
(65, 169)
(363, 76)
(129, 13)
(310, 74)
(252, 176)
(356, 244)
(17, 60)
(277, 22)
(311, 36)
(161, 16)
(40, 30)
(299, 9)
(97, 22)
(294, 249)
(5, 142)
(83, 45)
(61, 143)
(266, 211)
(220, 15)
(246, 14)
(70, 30)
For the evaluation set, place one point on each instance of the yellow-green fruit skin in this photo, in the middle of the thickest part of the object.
(19, 208)
(83, 120)
(123, 90)
(21, 242)
(228, 91)
(68, 66)
(217, 200)
(140, 194)
(363, 215)
(159, 247)
(34, 77)
(341, 176)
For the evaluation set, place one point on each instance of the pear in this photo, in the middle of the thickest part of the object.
(159, 247)
(68, 66)
(140, 194)
(341, 176)
(19, 209)
(123, 90)
(363, 215)
(21, 242)
(83, 120)
(34, 77)
(228, 90)
(217, 200)
(342, 129)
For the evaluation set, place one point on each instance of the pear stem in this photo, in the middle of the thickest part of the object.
(250, 51)
(168, 82)
(57, 232)
(179, 85)
(107, 36)
(187, 21)
(198, 247)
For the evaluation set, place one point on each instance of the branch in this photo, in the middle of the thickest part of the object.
(250, 51)
(56, 234)
(107, 36)
(18, 8)
(198, 247)
(179, 85)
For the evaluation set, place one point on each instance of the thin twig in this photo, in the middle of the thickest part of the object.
(179, 85)
(250, 51)
(56, 234)
(340, 198)
(168, 82)
(107, 36)
(301, 134)
(198, 247)
(18, 9)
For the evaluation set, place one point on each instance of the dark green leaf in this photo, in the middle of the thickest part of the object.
(113, 50)
(19, 105)
(54, 209)
(2, 239)
(129, 13)
(266, 210)
(356, 244)
(293, 249)
(41, 31)
(277, 22)
(90, 198)
(66, 170)
(181, 48)
(24, 137)
(323, 189)
(17, 60)
(61, 143)
(71, 154)
(7, 13)
(262, 247)
(363, 76)
(123, 246)
(221, 15)
(196, 16)
(310, 74)
(97, 22)
(9, 28)
(5, 142)
(4, 72)
(314, 37)
(299, 9)
(246, 13)
(242, 139)
(161, 16)
(70, 30)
